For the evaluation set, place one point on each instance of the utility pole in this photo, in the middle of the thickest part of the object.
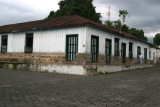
(109, 12)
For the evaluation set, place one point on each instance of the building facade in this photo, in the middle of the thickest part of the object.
(72, 44)
(158, 55)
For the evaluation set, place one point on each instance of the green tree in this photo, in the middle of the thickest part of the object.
(123, 14)
(108, 23)
(117, 24)
(125, 28)
(83, 8)
(51, 14)
(138, 33)
(156, 39)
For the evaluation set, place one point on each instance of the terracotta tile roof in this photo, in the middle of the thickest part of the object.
(64, 21)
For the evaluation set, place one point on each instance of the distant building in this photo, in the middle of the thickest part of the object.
(70, 44)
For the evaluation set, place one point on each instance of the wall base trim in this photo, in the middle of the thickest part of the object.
(70, 69)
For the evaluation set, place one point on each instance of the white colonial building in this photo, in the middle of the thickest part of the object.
(71, 44)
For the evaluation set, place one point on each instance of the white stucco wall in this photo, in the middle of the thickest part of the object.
(0, 42)
(158, 56)
(16, 42)
(54, 41)
(46, 41)
(103, 35)
(153, 55)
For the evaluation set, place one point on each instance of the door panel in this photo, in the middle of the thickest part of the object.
(145, 55)
(71, 47)
(4, 43)
(29, 43)
(123, 52)
(94, 48)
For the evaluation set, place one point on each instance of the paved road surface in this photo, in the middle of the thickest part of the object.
(138, 88)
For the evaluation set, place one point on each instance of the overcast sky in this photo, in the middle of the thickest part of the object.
(144, 14)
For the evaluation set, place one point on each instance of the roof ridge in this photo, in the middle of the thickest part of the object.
(82, 18)
(35, 21)
(22, 23)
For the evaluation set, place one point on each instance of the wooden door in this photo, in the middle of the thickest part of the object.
(71, 47)
(94, 48)
(123, 52)
(108, 50)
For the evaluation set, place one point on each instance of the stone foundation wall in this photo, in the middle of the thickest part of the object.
(57, 63)
(60, 59)
(158, 56)
(71, 69)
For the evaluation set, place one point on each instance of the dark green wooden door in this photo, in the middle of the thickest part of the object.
(145, 55)
(94, 48)
(123, 52)
(71, 47)
(138, 51)
(29, 43)
(108, 50)
(4, 42)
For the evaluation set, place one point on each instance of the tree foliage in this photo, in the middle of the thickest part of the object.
(123, 14)
(83, 8)
(117, 25)
(51, 14)
(138, 33)
(108, 23)
(123, 27)
(156, 39)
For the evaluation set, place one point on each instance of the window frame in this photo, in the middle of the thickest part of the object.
(145, 53)
(28, 48)
(150, 54)
(110, 49)
(74, 45)
(138, 51)
(116, 47)
(131, 50)
(4, 46)
(95, 53)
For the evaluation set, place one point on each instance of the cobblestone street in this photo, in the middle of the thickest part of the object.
(138, 88)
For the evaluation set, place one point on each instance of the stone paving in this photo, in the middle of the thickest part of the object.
(138, 88)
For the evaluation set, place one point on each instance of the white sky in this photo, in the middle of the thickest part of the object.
(16, 11)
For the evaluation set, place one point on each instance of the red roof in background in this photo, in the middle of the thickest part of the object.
(64, 21)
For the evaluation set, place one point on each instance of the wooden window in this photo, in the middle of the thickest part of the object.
(138, 51)
(123, 52)
(94, 48)
(4, 43)
(154, 57)
(149, 54)
(130, 50)
(116, 47)
(108, 49)
(145, 55)
(71, 47)
(29, 43)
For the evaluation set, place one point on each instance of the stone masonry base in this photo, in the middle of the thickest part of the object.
(70, 69)
(57, 63)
